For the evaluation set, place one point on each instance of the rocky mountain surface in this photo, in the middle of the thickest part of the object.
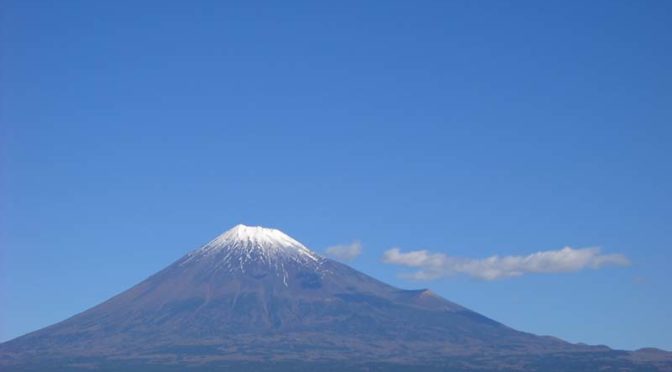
(255, 299)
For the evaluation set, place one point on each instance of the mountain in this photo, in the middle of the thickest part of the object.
(255, 299)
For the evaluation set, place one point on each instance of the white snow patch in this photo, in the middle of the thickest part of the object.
(242, 245)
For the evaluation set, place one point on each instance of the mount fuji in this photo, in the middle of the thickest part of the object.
(255, 299)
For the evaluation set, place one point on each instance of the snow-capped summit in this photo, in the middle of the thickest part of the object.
(244, 245)
(254, 236)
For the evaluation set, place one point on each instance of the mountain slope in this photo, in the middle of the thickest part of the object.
(255, 295)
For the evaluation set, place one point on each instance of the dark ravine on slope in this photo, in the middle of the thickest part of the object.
(255, 299)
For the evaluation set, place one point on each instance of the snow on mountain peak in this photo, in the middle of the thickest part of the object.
(243, 245)
(256, 236)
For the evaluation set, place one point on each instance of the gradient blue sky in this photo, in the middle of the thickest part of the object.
(133, 133)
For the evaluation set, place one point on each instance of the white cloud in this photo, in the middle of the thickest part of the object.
(435, 265)
(345, 252)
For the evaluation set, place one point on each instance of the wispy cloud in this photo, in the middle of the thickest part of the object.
(435, 265)
(345, 252)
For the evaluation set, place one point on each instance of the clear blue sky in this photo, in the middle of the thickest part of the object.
(133, 133)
